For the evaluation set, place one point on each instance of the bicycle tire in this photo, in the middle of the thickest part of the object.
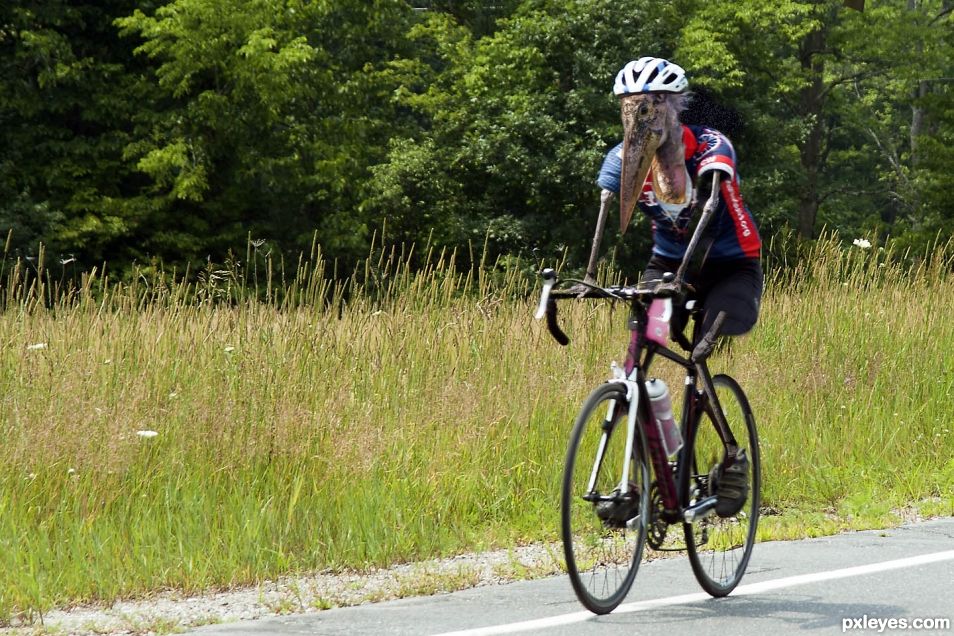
(720, 548)
(603, 541)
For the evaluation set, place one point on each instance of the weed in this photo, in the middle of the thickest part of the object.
(355, 426)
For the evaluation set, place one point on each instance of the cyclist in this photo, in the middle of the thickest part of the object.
(657, 168)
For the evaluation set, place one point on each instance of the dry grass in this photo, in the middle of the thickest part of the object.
(409, 415)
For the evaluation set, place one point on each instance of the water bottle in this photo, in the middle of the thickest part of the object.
(661, 405)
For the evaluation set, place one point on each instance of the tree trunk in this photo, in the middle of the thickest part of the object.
(917, 120)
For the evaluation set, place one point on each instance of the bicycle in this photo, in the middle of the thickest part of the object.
(621, 488)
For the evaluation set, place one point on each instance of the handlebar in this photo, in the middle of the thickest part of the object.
(671, 285)
(548, 297)
(548, 307)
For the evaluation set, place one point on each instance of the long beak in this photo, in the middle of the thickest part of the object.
(641, 138)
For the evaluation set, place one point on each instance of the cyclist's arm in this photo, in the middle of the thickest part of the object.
(608, 180)
(708, 210)
(606, 196)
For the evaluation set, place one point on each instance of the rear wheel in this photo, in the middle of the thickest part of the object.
(719, 548)
(604, 525)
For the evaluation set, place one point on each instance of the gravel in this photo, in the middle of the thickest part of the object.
(169, 612)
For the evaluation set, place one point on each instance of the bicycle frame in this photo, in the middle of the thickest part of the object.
(639, 355)
(605, 523)
(634, 375)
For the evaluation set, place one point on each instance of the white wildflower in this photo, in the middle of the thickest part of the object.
(71, 471)
(146, 434)
(229, 349)
(862, 243)
(36, 347)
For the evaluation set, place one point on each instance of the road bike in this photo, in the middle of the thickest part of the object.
(624, 483)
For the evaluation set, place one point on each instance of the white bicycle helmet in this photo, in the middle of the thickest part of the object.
(650, 75)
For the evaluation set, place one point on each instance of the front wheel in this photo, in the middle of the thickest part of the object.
(720, 547)
(604, 518)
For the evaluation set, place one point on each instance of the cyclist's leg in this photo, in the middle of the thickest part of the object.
(735, 288)
(657, 266)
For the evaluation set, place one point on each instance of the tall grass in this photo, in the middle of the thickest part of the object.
(303, 425)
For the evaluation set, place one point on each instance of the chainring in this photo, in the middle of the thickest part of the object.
(656, 535)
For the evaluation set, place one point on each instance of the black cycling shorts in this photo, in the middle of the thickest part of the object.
(731, 286)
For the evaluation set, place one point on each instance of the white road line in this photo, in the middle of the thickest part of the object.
(742, 590)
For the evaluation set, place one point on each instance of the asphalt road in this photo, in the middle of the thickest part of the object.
(831, 585)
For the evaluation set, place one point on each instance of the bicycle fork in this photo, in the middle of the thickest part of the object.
(667, 486)
(608, 425)
(609, 422)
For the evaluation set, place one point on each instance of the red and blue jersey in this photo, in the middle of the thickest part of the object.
(733, 229)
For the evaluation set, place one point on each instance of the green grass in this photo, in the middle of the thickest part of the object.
(414, 415)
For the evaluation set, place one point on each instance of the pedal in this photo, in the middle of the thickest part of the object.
(701, 510)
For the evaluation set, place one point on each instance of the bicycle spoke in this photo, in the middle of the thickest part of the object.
(719, 548)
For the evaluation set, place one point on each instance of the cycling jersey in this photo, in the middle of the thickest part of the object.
(732, 227)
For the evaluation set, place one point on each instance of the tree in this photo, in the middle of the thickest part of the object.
(515, 126)
(68, 91)
(821, 84)
(744, 46)
(932, 117)
(174, 130)
(477, 16)
(270, 115)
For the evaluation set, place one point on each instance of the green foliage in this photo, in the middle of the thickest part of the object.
(174, 130)
(68, 92)
(826, 94)
(515, 126)
(271, 114)
(478, 16)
